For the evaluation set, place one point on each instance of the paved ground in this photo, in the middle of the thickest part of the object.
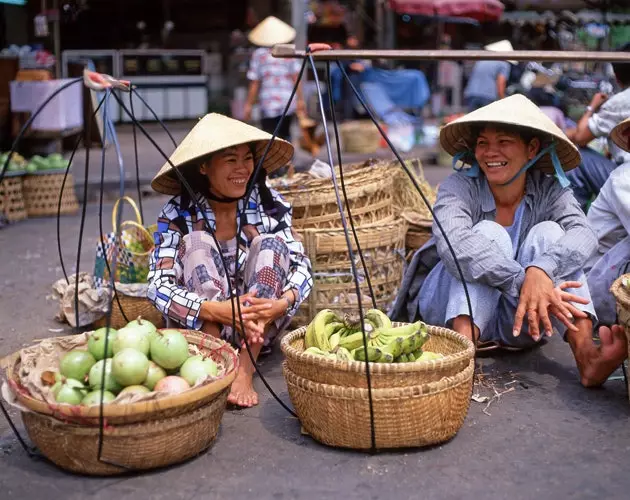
(549, 438)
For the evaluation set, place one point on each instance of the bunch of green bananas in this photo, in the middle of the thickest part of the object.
(333, 337)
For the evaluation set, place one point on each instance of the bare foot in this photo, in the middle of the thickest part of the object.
(596, 363)
(242, 392)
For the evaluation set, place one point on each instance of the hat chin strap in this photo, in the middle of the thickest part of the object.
(474, 169)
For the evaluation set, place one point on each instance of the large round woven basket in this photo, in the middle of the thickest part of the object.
(132, 307)
(420, 415)
(142, 411)
(12, 198)
(41, 194)
(457, 350)
(370, 191)
(383, 247)
(622, 296)
(360, 136)
(141, 446)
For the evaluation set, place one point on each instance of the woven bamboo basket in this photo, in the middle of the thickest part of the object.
(360, 136)
(41, 194)
(419, 232)
(404, 417)
(622, 296)
(457, 350)
(141, 446)
(12, 197)
(142, 411)
(369, 188)
(132, 307)
(383, 246)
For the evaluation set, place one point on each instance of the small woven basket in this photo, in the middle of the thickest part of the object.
(622, 296)
(457, 351)
(141, 446)
(383, 247)
(12, 197)
(359, 136)
(369, 189)
(132, 307)
(41, 194)
(141, 411)
(414, 416)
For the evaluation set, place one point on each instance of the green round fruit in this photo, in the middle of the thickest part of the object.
(131, 337)
(198, 367)
(96, 376)
(94, 398)
(96, 343)
(76, 364)
(154, 375)
(130, 367)
(169, 349)
(71, 392)
(135, 389)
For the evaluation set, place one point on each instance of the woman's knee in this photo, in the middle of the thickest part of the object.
(545, 233)
(497, 233)
(270, 242)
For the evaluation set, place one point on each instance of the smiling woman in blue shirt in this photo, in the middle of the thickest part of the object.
(520, 237)
(188, 281)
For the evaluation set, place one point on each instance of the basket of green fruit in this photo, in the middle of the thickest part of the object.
(163, 393)
(11, 192)
(44, 184)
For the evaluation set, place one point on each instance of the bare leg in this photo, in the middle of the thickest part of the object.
(461, 324)
(596, 363)
(242, 392)
(210, 328)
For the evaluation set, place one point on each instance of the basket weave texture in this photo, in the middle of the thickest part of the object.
(413, 416)
(457, 350)
(41, 194)
(132, 307)
(383, 247)
(141, 411)
(360, 136)
(622, 296)
(146, 445)
(12, 199)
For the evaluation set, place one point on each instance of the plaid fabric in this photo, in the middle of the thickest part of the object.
(131, 266)
(171, 292)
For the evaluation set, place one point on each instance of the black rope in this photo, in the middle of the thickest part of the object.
(233, 293)
(30, 120)
(415, 184)
(343, 186)
(135, 154)
(29, 451)
(63, 185)
(353, 266)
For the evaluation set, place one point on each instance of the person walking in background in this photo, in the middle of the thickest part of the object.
(488, 79)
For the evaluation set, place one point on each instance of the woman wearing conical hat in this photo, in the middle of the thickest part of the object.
(520, 238)
(187, 279)
(609, 217)
(271, 79)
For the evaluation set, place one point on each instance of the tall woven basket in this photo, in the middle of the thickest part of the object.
(359, 136)
(621, 290)
(12, 197)
(383, 247)
(41, 194)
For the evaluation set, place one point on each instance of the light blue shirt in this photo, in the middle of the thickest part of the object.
(483, 79)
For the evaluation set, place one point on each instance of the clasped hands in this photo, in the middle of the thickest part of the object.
(539, 298)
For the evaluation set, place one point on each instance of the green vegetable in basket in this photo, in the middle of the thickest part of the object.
(39, 162)
(31, 167)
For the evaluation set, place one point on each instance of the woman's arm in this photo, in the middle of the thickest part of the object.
(166, 271)
(572, 251)
(480, 258)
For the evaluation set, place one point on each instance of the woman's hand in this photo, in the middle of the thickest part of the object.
(598, 99)
(566, 311)
(221, 312)
(536, 298)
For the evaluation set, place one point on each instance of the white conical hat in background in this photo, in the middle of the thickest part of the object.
(271, 31)
(213, 133)
(501, 46)
(620, 136)
(458, 136)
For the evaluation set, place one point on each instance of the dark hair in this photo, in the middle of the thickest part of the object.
(622, 69)
(201, 185)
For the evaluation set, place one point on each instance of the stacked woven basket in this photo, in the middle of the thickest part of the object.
(381, 234)
(143, 435)
(621, 290)
(414, 404)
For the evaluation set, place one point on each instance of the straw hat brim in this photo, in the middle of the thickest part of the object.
(271, 31)
(214, 133)
(619, 135)
(516, 110)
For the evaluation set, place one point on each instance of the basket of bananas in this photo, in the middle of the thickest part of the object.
(421, 380)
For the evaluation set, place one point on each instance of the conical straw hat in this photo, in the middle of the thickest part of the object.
(457, 136)
(271, 31)
(501, 46)
(620, 136)
(213, 133)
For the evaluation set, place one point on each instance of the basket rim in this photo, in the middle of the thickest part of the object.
(620, 292)
(316, 196)
(449, 361)
(52, 171)
(407, 392)
(121, 411)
